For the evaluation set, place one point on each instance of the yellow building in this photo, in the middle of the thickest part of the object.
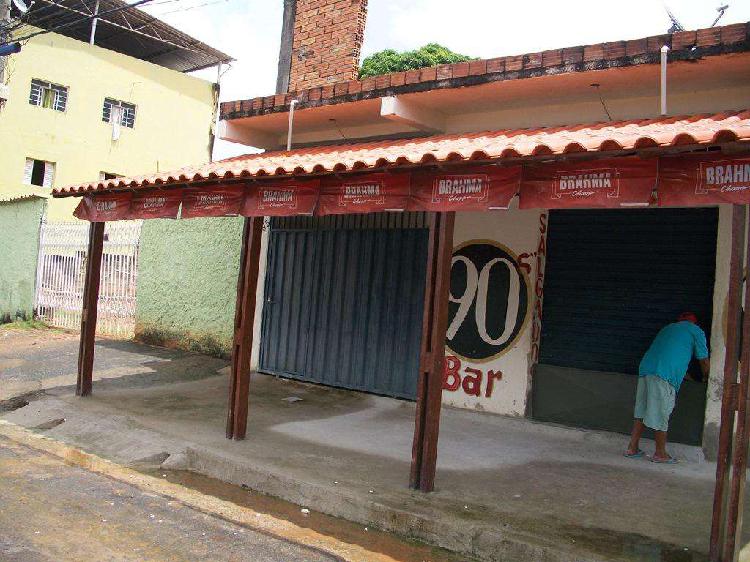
(124, 105)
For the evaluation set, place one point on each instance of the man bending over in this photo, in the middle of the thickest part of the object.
(660, 375)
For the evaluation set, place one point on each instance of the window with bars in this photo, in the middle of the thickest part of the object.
(46, 94)
(38, 172)
(119, 112)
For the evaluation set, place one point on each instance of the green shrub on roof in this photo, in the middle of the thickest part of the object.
(387, 61)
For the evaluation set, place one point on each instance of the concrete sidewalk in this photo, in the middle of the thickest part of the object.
(507, 489)
(34, 360)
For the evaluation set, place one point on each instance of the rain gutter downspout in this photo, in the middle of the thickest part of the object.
(664, 53)
(291, 125)
(92, 38)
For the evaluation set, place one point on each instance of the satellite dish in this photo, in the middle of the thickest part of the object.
(20, 6)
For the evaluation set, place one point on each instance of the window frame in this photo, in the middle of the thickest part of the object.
(39, 90)
(48, 176)
(127, 112)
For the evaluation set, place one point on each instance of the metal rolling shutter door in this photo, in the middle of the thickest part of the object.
(344, 298)
(613, 279)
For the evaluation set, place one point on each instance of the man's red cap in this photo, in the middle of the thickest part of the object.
(688, 317)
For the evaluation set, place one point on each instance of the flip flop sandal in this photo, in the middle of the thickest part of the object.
(670, 460)
(637, 455)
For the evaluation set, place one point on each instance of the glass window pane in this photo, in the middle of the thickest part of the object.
(35, 96)
(107, 110)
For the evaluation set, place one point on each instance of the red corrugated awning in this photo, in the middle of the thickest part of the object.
(495, 145)
(496, 166)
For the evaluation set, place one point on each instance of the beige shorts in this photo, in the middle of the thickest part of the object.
(654, 402)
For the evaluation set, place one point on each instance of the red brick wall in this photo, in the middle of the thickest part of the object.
(328, 37)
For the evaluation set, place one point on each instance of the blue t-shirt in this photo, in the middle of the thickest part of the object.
(671, 351)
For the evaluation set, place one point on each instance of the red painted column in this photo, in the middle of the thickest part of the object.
(88, 314)
(432, 353)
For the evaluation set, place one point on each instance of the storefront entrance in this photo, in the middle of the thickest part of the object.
(613, 279)
(343, 301)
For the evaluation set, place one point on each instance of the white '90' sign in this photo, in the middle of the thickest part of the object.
(477, 287)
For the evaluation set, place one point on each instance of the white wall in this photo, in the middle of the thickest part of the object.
(507, 364)
(718, 333)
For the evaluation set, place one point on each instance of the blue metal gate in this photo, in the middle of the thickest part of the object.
(343, 301)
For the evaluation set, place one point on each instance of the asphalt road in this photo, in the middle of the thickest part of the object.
(51, 511)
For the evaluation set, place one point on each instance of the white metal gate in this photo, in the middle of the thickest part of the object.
(61, 271)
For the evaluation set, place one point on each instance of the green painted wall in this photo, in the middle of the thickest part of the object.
(19, 248)
(187, 283)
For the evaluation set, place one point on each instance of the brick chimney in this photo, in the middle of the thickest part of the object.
(327, 40)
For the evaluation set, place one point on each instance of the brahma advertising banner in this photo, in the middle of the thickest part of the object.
(369, 193)
(613, 182)
(481, 188)
(281, 199)
(114, 206)
(690, 181)
(150, 204)
(606, 183)
(215, 201)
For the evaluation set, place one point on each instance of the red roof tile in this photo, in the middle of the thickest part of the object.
(494, 145)
(685, 46)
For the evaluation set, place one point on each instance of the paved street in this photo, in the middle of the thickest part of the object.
(56, 512)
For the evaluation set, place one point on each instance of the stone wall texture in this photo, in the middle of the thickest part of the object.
(19, 248)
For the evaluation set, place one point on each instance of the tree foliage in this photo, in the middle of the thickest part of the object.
(387, 61)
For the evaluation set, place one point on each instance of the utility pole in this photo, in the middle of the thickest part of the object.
(4, 33)
(4, 38)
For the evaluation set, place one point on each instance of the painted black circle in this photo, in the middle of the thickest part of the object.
(467, 341)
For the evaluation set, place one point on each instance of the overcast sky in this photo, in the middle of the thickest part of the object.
(249, 30)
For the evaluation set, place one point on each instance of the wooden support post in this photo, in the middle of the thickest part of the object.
(244, 317)
(739, 446)
(719, 545)
(432, 353)
(88, 314)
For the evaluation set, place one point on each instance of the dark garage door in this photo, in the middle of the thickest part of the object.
(612, 280)
(343, 301)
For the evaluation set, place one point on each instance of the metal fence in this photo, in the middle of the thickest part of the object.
(61, 271)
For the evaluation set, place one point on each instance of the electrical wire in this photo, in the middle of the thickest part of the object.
(601, 99)
(79, 20)
(22, 21)
(188, 8)
(58, 18)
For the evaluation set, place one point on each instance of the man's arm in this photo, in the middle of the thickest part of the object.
(705, 366)
(700, 350)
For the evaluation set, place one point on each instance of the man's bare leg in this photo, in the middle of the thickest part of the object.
(635, 437)
(660, 454)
